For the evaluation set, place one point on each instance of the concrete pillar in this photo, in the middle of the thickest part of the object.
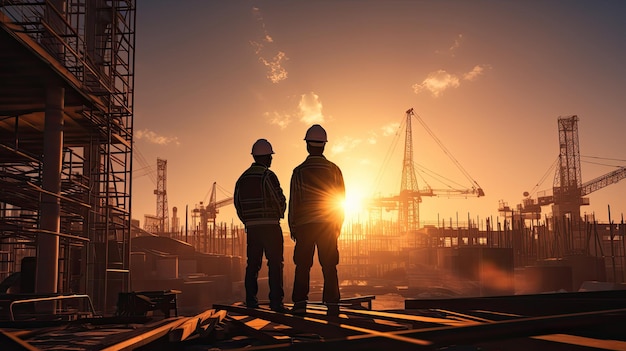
(46, 280)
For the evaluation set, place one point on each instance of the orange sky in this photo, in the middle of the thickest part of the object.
(489, 78)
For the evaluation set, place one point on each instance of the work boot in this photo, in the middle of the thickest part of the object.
(252, 304)
(278, 307)
(299, 308)
(332, 309)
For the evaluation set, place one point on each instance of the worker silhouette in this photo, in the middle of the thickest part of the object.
(260, 205)
(315, 219)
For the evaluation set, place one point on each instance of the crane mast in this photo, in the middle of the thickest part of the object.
(410, 198)
(162, 212)
(568, 180)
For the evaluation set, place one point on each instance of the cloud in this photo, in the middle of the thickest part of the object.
(154, 138)
(344, 144)
(456, 45)
(453, 48)
(310, 108)
(276, 71)
(257, 47)
(372, 138)
(256, 12)
(390, 129)
(439, 81)
(309, 111)
(281, 120)
(477, 71)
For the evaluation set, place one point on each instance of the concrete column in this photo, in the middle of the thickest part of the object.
(46, 280)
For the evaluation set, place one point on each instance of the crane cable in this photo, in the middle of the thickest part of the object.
(147, 169)
(394, 143)
(421, 169)
(445, 150)
(217, 187)
(543, 178)
(603, 158)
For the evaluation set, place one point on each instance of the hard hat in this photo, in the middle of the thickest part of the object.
(262, 147)
(316, 135)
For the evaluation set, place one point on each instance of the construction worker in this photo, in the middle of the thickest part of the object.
(260, 205)
(315, 219)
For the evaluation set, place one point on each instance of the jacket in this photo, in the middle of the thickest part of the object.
(258, 197)
(317, 192)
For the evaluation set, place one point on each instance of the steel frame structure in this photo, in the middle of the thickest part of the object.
(83, 50)
(568, 179)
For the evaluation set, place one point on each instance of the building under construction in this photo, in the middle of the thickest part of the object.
(66, 136)
(525, 251)
(558, 251)
(66, 121)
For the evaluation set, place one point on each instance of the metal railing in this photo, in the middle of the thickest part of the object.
(56, 311)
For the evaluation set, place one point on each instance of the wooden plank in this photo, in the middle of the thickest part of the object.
(365, 321)
(211, 323)
(421, 321)
(333, 328)
(252, 327)
(529, 305)
(183, 330)
(11, 342)
(309, 324)
(518, 328)
(350, 301)
(357, 301)
(145, 338)
(560, 328)
(190, 326)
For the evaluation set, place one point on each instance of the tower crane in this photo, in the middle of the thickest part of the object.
(159, 223)
(407, 201)
(162, 212)
(568, 191)
(209, 212)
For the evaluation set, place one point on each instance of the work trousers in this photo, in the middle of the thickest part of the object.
(308, 237)
(268, 239)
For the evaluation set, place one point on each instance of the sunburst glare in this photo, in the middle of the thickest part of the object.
(352, 205)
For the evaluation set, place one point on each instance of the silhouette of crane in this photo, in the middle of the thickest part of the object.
(162, 212)
(407, 201)
(209, 212)
(568, 191)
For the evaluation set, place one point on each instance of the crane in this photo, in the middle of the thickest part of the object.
(159, 223)
(568, 191)
(209, 212)
(162, 212)
(407, 201)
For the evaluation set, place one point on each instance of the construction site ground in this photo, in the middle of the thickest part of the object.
(555, 321)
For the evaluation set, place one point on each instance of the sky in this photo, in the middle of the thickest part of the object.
(488, 78)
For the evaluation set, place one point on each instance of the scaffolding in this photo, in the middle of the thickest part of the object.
(66, 95)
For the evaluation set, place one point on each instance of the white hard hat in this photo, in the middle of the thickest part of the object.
(316, 135)
(262, 147)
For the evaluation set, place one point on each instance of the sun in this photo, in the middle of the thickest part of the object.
(352, 205)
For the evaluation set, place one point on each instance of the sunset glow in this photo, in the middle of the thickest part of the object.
(490, 87)
(352, 206)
